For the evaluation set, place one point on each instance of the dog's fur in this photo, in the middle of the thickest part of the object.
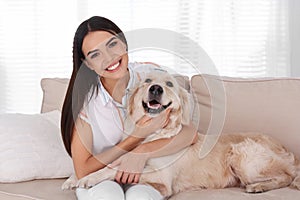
(254, 161)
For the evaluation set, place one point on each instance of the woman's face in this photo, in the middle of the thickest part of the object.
(106, 54)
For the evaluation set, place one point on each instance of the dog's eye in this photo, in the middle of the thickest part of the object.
(148, 80)
(169, 83)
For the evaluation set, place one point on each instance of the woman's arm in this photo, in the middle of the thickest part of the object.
(131, 165)
(82, 141)
(81, 146)
(166, 146)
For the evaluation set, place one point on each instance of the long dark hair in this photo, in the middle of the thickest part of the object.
(81, 83)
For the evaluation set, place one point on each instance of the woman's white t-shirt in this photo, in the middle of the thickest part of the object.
(105, 115)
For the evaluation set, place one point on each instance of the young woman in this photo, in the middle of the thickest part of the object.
(94, 111)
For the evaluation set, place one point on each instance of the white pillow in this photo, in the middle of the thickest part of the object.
(31, 148)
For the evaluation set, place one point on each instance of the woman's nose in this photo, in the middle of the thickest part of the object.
(106, 59)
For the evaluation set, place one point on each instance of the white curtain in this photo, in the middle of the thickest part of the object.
(245, 38)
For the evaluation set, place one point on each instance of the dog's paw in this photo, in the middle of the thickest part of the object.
(70, 183)
(255, 188)
(87, 182)
(296, 183)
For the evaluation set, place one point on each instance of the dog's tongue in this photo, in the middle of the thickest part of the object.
(154, 104)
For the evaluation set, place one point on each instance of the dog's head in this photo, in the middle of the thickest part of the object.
(156, 92)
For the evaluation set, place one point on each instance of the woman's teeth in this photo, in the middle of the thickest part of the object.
(113, 67)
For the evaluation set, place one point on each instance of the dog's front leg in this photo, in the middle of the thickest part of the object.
(70, 183)
(97, 177)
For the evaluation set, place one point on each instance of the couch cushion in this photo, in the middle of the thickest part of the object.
(37, 189)
(237, 194)
(270, 105)
(50, 189)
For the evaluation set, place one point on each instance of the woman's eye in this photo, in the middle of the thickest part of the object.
(95, 55)
(112, 44)
(169, 84)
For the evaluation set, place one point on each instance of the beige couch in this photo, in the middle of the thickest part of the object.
(269, 105)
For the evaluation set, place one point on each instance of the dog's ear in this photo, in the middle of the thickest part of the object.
(185, 103)
(131, 105)
(133, 110)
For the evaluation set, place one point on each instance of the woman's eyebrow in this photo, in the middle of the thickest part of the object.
(111, 39)
(92, 51)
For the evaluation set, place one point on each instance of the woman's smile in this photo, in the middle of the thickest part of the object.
(114, 67)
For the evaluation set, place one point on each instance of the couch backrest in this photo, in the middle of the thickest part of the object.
(270, 105)
(54, 91)
(226, 105)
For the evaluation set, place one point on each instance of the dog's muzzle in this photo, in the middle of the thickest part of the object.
(153, 106)
(155, 92)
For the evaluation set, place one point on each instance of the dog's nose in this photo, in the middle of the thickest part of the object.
(156, 90)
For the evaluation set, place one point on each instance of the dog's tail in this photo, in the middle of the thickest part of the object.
(296, 182)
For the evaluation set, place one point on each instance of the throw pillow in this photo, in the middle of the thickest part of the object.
(31, 148)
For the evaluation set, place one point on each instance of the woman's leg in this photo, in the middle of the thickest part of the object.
(142, 192)
(108, 190)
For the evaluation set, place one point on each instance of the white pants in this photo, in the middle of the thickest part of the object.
(111, 190)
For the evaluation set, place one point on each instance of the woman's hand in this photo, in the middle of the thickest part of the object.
(148, 125)
(130, 167)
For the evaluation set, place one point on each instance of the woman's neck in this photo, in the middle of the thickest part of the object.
(116, 87)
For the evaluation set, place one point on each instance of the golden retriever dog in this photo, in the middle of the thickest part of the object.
(254, 161)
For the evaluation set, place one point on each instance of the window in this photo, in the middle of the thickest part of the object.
(245, 38)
